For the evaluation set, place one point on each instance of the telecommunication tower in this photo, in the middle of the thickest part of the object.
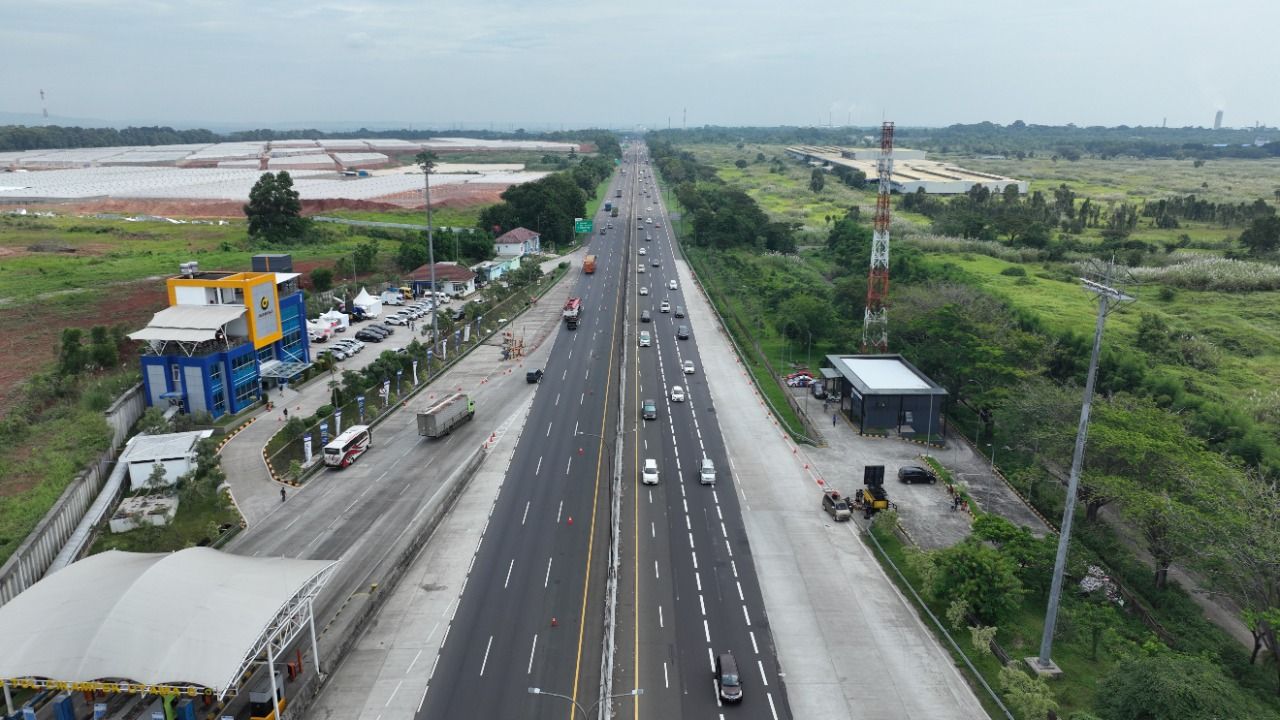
(875, 323)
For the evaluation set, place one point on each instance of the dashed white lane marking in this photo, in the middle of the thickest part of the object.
(660, 622)
(559, 511)
(666, 681)
(485, 662)
(547, 579)
(695, 560)
(655, 569)
(531, 651)
(509, 568)
(772, 709)
(723, 531)
(698, 577)
(734, 565)
(393, 693)
(763, 678)
(557, 399)
(746, 616)
(564, 374)
(702, 604)
(706, 630)
(415, 661)
(526, 511)
(539, 468)
(754, 646)
(568, 465)
(690, 541)
(653, 530)
(728, 548)
(740, 596)
(549, 428)
(581, 398)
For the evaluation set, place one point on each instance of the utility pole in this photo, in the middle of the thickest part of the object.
(427, 161)
(1108, 297)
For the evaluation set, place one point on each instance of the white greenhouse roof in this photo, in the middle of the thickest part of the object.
(196, 617)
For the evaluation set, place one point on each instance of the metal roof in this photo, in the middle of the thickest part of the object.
(148, 448)
(196, 617)
(884, 375)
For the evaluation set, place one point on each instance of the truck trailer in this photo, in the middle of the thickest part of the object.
(589, 264)
(572, 312)
(440, 419)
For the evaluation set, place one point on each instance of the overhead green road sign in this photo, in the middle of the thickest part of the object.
(582, 226)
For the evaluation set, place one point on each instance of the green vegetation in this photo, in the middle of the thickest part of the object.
(274, 210)
(549, 206)
(1182, 448)
(204, 515)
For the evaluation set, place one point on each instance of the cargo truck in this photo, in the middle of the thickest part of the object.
(589, 264)
(572, 312)
(608, 205)
(440, 419)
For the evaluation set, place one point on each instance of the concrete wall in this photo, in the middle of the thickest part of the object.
(124, 412)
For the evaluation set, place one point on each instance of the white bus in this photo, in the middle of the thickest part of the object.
(348, 446)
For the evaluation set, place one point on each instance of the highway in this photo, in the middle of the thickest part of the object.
(689, 589)
(531, 613)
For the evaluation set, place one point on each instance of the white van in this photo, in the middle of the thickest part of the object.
(707, 473)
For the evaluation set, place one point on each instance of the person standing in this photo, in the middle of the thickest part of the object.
(282, 495)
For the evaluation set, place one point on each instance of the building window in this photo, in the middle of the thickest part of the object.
(291, 346)
(265, 355)
(175, 372)
(246, 392)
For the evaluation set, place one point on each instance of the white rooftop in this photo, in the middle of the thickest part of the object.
(188, 323)
(884, 373)
(193, 617)
(149, 448)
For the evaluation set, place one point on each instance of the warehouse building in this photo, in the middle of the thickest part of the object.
(225, 337)
(911, 171)
(886, 394)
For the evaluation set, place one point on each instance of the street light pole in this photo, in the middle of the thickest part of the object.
(427, 161)
(576, 704)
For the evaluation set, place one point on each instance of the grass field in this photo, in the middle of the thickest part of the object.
(464, 217)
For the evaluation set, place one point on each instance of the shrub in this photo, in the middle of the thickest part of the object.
(1014, 271)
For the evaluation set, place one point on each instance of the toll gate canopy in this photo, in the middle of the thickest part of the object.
(169, 623)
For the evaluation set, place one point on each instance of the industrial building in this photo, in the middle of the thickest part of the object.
(225, 337)
(886, 393)
(911, 171)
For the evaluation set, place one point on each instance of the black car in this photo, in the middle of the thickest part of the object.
(915, 474)
(682, 332)
(533, 376)
(645, 316)
(728, 680)
(679, 311)
(382, 330)
(367, 336)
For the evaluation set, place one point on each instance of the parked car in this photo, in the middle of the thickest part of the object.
(679, 311)
(397, 320)
(649, 410)
(370, 336)
(682, 332)
(677, 393)
(382, 330)
(533, 376)
(836, 505)
(688, 367)
(915, 474)
(650, 474)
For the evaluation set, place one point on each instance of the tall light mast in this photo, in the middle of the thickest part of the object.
(875, 323)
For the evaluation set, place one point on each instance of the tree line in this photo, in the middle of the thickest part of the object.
(550, 205)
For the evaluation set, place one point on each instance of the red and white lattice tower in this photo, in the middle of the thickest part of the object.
(875, 324)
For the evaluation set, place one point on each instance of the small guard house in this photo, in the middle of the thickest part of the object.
(886, 394)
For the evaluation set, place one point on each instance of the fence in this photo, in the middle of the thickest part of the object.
(34, 556)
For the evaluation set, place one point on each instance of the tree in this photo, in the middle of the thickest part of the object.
(979, 576)
(740, 164)
(412, 254)
(1262, 236)
(274, 210)
(103, 352)
(1091, 619)
(322, 279)
(365, 255)
(342, 268)
(1029, 697)
(1170, 685)
(71, 355)
(817, 179)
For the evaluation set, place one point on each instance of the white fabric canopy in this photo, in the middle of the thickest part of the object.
(371, 305)
(188, 323)
(193, 617)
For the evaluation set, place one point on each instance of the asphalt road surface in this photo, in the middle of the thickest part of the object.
(532, 611)
(689, 590)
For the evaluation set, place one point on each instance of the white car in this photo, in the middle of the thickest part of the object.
(672, 285)
(664, 307)
(644, 289)
(650, 474)
(677, 393)
(688, 367)
(644, 251)
(645, 338)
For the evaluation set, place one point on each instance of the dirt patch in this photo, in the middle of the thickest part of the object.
(455, 195)
(29, 334)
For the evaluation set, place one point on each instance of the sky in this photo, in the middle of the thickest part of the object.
(544, 64)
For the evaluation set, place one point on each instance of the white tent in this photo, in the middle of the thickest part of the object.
(342, 320)
(371, 305)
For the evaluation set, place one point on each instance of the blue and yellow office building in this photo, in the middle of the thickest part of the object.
(225, 338)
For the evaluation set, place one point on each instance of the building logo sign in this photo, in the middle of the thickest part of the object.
(265, 304)
(266, 315)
